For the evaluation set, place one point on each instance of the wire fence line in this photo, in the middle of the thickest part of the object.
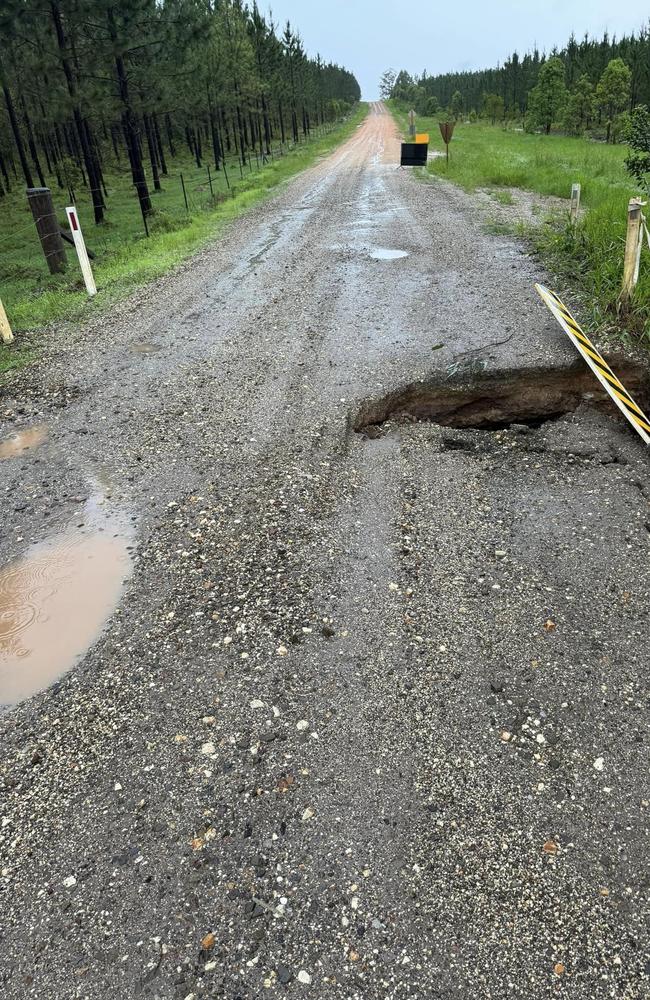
(186, 190)
(30, 228)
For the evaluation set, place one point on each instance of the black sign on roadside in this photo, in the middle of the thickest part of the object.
(414, 154)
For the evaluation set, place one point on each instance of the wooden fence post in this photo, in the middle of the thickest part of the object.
(47, 225)
(632, 248)
(575, 203)
(6, 335)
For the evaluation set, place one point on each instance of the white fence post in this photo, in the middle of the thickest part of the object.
(82, 253)
(575, 203)
(6, 336)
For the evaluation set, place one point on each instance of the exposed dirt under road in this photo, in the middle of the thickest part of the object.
(370, 720)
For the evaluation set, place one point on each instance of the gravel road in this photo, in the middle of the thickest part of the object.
(370, 717)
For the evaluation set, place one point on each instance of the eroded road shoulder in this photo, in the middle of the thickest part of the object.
(370, 720)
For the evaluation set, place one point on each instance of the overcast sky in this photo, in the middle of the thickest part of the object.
(368, 36)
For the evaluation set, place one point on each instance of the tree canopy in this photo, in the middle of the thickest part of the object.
(516, 80)
(85, 80)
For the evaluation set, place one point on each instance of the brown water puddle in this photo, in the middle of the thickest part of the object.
(53, 604)
(145, 348)
(25, 440)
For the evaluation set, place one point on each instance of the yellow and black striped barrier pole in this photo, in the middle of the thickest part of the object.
(626, 404)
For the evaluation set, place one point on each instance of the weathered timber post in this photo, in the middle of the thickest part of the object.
(575, 204)
(47, 225)
(632, 248)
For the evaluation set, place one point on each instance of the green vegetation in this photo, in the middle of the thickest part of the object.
(608, 77)
(595, 93)
(547, 99)
(638, 159)
(107, 104)
(125, 257)
(592, 256)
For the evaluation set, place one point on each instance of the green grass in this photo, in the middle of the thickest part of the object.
(504, 197)
(592, 257)
(125, 257)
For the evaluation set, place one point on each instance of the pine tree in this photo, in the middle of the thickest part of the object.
(547, 99)
(613, 91)
(638, 159)
(580, 106)
(85, 81)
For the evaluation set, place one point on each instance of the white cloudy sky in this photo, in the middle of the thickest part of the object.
(368, 36)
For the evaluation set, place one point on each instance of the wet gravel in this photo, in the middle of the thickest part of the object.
(371, 718)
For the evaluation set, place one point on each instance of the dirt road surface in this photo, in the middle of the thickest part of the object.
(368, 718)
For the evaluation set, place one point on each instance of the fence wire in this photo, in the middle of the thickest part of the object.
(172, 207)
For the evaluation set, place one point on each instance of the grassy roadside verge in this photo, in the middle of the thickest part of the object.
(483, 156)
(34, 298)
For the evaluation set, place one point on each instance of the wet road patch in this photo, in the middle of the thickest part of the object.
(30, 438)
(385, 253)
(145, 348)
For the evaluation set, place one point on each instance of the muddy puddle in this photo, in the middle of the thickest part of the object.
(383, 253)
(23, 441)
(55, 600)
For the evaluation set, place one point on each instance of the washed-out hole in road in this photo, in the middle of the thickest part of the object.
(493, 400)
(23, 441)
(54, 602)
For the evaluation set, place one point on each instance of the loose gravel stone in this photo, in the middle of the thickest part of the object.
(386, 832)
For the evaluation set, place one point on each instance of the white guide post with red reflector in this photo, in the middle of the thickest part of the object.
(82, 253)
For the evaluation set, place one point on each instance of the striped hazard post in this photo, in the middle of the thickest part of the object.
(626, 404)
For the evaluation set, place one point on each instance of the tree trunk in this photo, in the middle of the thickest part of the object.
(170, 135)
(151, 143)
(281, 116)
(128, 123)
(198, 151)
(94, 160)
(267, 125)
(13, 121)
(214, 130)
(94, 179)
(242, 144)
(3, 169)
(224, 129)
(159, 146)
(46, 152)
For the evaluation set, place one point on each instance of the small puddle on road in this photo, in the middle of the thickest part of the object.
(25, 440)
(54, 602)
(145, 348)
(380, 253)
